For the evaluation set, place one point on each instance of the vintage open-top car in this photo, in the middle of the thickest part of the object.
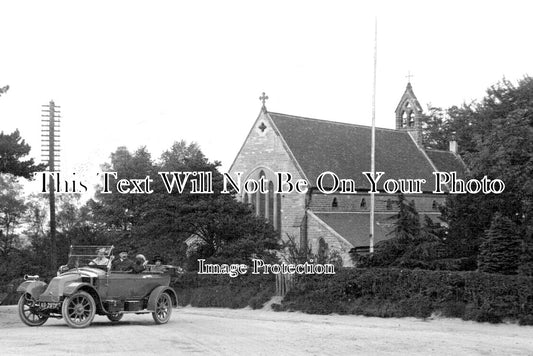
(87, 285)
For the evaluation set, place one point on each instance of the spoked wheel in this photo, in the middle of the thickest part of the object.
(115, 317)
(78, 310)
(28, 311)
(163, 309)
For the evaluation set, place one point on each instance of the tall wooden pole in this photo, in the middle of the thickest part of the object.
(373, 148)
(50, 151)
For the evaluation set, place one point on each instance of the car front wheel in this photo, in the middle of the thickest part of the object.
(79, 309)
(163, 309)
(28, 312)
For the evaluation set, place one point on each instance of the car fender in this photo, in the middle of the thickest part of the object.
(74, 287)
(157, 292)
(34, 288)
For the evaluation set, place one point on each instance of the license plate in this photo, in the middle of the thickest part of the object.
(45, 305)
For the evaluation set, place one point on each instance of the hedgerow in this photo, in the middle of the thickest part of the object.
(419, 293)
(223, 291)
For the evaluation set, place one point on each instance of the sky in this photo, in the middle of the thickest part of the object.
(148, 73)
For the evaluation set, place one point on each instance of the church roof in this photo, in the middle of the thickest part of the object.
(319, 146)
(447, 161)
(354, 227)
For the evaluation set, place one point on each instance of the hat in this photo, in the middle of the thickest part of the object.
(123, 254)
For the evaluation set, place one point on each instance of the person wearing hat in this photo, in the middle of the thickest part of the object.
(123, 263)
(100, 259)
(158, 265)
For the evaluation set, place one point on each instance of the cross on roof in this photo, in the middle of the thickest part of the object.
(263, 98)
(409, 76)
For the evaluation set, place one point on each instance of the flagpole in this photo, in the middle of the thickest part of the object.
(373, 148)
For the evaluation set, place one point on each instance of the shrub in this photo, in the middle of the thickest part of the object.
(396, 292)
(223, 291)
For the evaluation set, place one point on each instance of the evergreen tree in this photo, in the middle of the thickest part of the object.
(12, 149)
(501, 248)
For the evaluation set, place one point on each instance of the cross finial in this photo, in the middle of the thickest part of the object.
(409, 76)
(263, 98)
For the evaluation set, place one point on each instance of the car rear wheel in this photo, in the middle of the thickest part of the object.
(28, 312)
(79, 309)
(115, 317)
(163, 309)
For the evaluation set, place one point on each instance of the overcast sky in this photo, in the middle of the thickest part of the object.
(133, 73)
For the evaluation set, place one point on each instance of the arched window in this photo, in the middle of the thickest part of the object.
(262, 201)
(363, 203)
(253, 198)
(277, 225)
(334, 203)
(434, 206)
(322, 251)
(411, 119)
(271, 202)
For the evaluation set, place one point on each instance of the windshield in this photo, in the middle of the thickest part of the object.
(81, 256)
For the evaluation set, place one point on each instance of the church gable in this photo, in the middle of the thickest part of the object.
(265, 148)
(264, 153)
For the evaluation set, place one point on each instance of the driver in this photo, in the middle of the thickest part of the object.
(123, 263)
(100, 259)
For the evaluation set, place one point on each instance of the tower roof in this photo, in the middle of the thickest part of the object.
(409, 95)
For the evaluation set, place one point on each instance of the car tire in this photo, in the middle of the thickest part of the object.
(27, 312)
(78, 310)
(163, 309)
(115, 317)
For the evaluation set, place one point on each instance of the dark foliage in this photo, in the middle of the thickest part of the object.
(402, 292)
(500, 250)
(223, 291)
(12, 151)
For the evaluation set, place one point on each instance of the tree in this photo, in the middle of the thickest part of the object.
(4, 89)
(229, 231)
(412, 245)
(500, 250)
(497, 141)
(12, 150)
(12, 209)
(159, 223)
(406, 222)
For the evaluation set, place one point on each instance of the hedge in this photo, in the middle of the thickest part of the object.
(223, 291)
(419, 293)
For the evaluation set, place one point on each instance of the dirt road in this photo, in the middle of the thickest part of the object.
(249, 332)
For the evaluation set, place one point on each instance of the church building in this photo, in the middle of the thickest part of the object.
(306, 148)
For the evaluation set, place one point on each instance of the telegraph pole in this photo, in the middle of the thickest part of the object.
(50, 150)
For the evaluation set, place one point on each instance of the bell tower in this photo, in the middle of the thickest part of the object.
(409, 114)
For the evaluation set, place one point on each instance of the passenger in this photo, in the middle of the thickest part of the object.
(158, 265)
(123, 263)
(100, 259)
(140, 263)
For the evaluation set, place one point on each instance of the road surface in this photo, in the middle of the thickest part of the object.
(210, 331)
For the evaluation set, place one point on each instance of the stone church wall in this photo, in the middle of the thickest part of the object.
(264, 151)
(318, 230)
(424, 203)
